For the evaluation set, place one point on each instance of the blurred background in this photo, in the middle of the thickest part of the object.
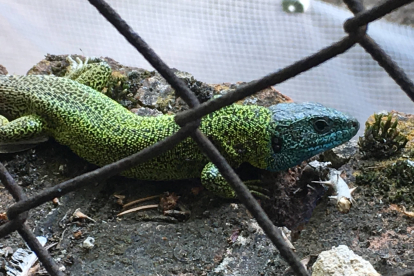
(221, 41)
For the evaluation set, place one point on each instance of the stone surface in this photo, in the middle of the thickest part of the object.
(340, 155)
(342, 261)
(3, 70)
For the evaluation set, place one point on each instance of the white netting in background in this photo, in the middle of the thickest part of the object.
(218, 41)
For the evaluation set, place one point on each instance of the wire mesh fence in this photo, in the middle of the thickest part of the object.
(190, 119)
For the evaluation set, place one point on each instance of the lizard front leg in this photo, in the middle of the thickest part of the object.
(21, 134)
(214, 181)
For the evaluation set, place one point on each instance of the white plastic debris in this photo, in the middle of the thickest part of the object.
(88, 243)
(22, 260)
(341, 261)
(343, 194)
(343, 197)
(410, 163)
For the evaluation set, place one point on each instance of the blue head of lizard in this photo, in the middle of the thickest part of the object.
(300, 131)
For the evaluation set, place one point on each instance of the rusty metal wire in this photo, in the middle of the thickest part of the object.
(189, 121)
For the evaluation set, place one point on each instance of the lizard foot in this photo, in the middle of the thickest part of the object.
(78, 64)
(3, 121)
(21, 134)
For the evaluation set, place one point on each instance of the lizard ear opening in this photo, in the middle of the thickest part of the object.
(276, 144)
(322, 125)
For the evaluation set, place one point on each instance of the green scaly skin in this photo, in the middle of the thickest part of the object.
(72, 111)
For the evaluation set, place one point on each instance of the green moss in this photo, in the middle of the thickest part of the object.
(119, 89)
(393, 184)
(381, 138)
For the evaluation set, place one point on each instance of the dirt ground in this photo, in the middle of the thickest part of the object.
(219, 238)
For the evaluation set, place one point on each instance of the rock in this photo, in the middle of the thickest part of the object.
(88, 243)
(3, 70)
(341, 154)
(342, 261)
(146, 112)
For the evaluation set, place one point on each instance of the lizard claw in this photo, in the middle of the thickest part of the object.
(75, 65)
(259, 194)
(257, 190)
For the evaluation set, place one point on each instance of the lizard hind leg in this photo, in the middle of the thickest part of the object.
(21, 134)
(94, 73)
(3, 121)
(213, 181)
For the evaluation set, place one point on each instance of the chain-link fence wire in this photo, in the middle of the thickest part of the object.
(189, 121)
(223, 41)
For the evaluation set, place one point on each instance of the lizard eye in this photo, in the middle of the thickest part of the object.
(322, 125)
(276, 144)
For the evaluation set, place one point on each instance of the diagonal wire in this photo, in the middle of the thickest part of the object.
(207, 147)
(269, 80)
(17, 192)
(41, 252)
(135, 40)
(19, 224)
(244, 195)
(103, 172)
(365, 17)
(370, 46)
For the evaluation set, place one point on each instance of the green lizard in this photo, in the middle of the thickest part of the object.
(73, 111)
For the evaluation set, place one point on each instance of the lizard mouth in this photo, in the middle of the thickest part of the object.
(331, 140)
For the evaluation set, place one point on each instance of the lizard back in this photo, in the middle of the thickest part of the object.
(101, 131)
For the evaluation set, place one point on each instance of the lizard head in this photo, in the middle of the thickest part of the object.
(300, 131)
